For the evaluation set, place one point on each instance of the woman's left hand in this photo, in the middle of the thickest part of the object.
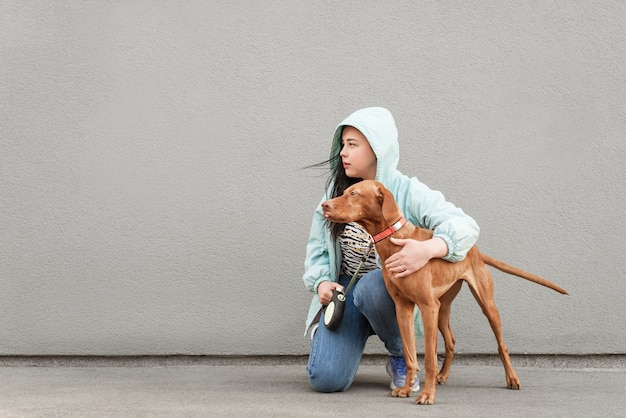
(414, 255)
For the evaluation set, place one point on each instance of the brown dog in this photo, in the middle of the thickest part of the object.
(432, 288)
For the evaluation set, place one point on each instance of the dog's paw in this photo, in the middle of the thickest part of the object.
(442, 378)
(513, 383)
(425, 398)
(401, 392)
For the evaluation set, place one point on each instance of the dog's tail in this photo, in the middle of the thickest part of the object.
(521, 273)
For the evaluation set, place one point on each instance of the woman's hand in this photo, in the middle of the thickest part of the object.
(325, 291)
(414, 255)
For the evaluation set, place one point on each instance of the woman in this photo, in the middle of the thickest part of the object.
(365, 146)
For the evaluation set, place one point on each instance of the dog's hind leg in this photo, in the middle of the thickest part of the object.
(446, 331)
(481, 285)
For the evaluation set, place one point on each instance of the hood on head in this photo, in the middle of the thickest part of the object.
(379, 127)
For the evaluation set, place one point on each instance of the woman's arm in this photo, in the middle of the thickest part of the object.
(454, 231)
(317, 260)
(415, 254)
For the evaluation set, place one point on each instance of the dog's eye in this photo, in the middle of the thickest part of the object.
(353, 193)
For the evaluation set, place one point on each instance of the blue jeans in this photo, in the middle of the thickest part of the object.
(335, 355)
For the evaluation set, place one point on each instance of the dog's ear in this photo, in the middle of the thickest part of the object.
(389, 206)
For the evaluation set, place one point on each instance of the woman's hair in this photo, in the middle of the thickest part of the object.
(339, 182)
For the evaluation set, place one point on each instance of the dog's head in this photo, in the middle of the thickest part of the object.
(367, 202)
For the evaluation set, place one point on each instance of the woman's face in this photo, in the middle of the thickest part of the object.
(357, 155)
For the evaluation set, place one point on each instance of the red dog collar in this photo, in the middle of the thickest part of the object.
(389, 231)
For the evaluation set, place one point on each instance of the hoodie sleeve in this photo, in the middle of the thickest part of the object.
(317, 260)
(429, 209)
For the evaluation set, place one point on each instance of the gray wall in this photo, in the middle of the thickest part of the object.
(152, 198)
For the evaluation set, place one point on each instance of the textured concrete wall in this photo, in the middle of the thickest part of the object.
(152, 198)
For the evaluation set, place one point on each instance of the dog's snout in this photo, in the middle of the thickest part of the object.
(325, 206)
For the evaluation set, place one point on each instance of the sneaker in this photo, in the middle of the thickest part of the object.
(396, 368)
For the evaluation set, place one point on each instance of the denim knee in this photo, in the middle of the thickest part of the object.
(369, 289)
(361, 298)
(326, 382)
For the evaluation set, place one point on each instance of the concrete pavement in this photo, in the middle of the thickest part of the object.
(279, 388)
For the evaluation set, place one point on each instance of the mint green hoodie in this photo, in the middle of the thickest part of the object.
(420, 205)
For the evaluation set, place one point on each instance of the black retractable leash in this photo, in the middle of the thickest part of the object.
(333, 312)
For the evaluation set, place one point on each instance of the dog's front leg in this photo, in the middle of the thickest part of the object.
(404, 315)
(430, 314)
